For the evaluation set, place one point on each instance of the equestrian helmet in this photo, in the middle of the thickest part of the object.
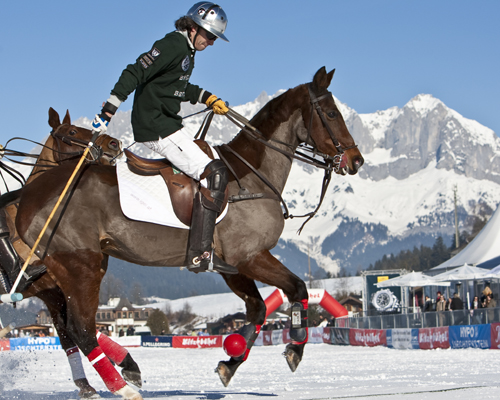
(210, 17)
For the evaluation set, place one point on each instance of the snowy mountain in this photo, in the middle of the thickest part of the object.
(403, 196)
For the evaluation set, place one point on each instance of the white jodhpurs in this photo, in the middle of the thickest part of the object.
(180, 149)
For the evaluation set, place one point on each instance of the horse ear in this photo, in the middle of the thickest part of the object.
(322, 80)
(54, 121)
(67, 118)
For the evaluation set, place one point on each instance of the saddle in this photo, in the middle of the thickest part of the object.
(181, 187)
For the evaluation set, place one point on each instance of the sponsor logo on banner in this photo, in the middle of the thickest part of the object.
(35, 343)
(495, 335)
(402, 338)
(367, 337)
(196, 342)
(156, 341)
(267, 337)
(433, 338)
(475, 336)
(326, 335)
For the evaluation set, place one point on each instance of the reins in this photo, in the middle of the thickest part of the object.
(330, 163)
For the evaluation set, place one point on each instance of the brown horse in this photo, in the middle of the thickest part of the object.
(65, 143)
(91, 226)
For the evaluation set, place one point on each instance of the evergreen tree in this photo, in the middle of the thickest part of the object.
(158, 322)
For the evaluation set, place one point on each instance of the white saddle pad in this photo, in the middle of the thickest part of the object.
(146, 198)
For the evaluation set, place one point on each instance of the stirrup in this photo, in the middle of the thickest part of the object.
(210, 262)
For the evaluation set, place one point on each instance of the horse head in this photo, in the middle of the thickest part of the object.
(325, 127)
(69, 141)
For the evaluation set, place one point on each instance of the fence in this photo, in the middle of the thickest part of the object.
(422, 319)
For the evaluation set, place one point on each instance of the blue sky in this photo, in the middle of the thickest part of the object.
(68, 55)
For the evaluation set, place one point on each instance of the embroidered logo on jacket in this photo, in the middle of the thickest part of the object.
(185, 63)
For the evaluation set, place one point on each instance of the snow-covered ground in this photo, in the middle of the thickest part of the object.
(326, 372)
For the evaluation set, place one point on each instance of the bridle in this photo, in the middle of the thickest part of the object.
(330, 163)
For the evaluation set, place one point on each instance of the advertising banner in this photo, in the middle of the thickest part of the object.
(35, 343)
(315, 335)
(4, 344)
(340, 336)
(433, 338)
(267, 338)
(196, 342)
(156, 341)
(367, 337)
(286, 336)
(495, 335)
(405, 339)
(277, 336)
(475, 336)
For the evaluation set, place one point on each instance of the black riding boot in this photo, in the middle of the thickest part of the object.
(10, 263)
(200, 256)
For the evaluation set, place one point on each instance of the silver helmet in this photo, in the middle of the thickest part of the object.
(210, 17)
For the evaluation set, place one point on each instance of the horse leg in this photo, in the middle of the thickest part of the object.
(121, 357)
(80, 285)
(265, 268)
(247, 290)
(56, 304)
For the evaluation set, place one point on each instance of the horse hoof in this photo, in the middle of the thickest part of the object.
(224, 372)
(132, 377)
(293, 355)
(86, 391)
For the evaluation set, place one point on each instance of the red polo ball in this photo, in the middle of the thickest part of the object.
(235, 345)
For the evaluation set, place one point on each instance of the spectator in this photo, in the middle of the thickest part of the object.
(490, 303)
(323, 321)
(486, 292)
(427, 304)
(456, 303)
(440, 308)
(121, 333)
(130, 331)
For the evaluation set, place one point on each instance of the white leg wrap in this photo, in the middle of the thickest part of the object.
(128, 393)
(75, 362)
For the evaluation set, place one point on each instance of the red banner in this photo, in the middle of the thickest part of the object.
(4, 344)
(434, 338)
(367, 337)
(196, 342)
(495, 336)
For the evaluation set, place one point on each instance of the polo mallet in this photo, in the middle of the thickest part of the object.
(13, 296)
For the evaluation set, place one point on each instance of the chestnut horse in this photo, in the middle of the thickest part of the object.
(65, 143)
(90, 225)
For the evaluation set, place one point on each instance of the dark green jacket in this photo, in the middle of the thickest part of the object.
(160, 79)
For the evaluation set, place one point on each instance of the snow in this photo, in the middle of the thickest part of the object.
(326, 372)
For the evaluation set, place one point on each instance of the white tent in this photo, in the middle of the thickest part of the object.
(413, 279)
(464, 273)
(483, 251)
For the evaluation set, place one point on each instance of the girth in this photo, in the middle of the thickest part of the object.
(181, 187)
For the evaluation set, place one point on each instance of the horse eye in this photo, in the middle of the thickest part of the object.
(73, 132)
(332, 114)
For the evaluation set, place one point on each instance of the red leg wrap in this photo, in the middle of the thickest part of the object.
(249, 345)
(112, 379)
(112, 349)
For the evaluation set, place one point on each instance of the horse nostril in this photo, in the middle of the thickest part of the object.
(113, 145)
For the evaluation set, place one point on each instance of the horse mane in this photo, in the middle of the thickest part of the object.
(276, 111)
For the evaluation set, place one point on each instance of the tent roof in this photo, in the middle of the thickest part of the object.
(413, 279)
(483, 250)
(465, 272)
